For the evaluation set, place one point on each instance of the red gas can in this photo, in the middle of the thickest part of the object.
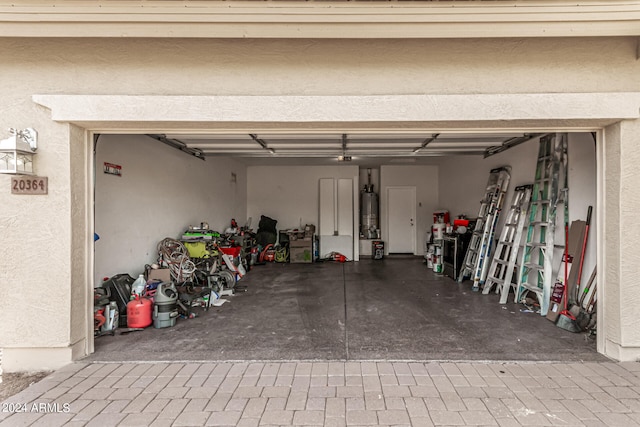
(139, 313)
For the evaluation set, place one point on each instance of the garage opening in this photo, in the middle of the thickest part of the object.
(390, 203)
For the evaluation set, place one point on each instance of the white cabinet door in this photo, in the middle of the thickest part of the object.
(345, 207)
(327, 220)
(336, 217)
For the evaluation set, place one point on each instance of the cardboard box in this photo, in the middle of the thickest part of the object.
(301, 243)
(300, 255)
(162, 274)
(309, 231)
(295, 235)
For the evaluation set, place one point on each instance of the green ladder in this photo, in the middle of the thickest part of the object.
(536, 266)
(475, 259)
(505, 257)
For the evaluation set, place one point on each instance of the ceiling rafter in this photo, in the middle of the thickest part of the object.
(427, 142)
(179, 145)
(262, 143)
(510, 143)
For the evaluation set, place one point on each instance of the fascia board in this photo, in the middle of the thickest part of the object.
(231, 19)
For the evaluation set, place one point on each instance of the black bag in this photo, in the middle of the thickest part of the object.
(267, 233)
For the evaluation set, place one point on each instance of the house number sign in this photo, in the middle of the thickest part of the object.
(29, 185)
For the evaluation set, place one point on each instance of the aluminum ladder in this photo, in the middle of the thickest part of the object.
(481, 239)
(536, 265)
(505, 256)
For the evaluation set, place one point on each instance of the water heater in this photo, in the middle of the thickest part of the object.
(369, 211)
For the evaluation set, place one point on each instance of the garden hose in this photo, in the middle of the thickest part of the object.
(282, 254)
(173, 254)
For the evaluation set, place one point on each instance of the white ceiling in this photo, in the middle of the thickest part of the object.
(361, 148)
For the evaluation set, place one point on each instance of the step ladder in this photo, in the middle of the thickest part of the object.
(536, 266)
(479, 248)
(505, 257)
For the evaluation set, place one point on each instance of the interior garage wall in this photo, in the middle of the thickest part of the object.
(289, 194)
(582, 192)
(463, 181)
(160, 193)
(425, 179)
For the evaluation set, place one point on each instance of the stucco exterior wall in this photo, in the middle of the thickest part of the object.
(621, 157)
(610, 310)
(43, 233)
(630, 232)
(80, 305)
(320, 67)
(36, 267)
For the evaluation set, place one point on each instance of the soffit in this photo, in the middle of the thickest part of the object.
(401, 127)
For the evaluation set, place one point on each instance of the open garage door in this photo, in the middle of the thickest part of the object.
(399, 307)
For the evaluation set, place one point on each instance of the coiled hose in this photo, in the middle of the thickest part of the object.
(281, 254)
(173, 254)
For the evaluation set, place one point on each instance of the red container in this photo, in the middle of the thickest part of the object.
(139, 313)
(441, 217)
(233, 251)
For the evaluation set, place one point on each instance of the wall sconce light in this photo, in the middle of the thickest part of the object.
(16, 152)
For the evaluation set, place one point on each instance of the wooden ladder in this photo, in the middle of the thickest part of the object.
(536, 266)
(481, 239)
(505, 256)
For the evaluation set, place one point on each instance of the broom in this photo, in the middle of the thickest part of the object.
(566, 320)
(583, 315)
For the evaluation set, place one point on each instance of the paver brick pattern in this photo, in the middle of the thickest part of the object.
(331, 394)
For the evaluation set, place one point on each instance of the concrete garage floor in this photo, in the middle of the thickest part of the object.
(394, 309)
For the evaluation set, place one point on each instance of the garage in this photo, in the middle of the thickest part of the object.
(401, 307)
(384, 84)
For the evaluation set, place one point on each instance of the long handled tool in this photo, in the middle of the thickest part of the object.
(577, 306)
(584, 250)
(566, 320)
(582, 312)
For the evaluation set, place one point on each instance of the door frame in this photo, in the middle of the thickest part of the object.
(413, 212)
(562, 112)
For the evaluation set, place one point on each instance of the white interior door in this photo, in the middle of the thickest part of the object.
(402, 219)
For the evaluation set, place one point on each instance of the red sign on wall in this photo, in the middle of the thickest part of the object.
(112, 169)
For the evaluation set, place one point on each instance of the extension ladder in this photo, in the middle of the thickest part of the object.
(536, 268)
(474, 265)
(505, 256)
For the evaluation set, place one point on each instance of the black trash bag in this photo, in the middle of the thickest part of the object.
(267, 233)
(267, 224)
